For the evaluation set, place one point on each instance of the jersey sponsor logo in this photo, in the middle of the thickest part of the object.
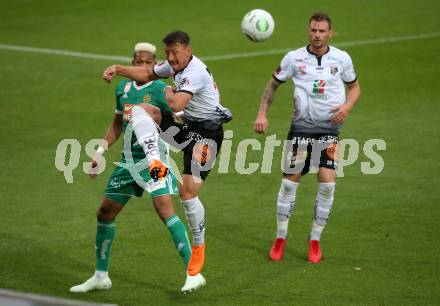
(151, 146)
(127, 111)
(196, 137)
(117, 182)
(318, 86)
(318, 91)
(127, 89)
(183, 82)
(303, 141)
(147, 98)
(302, 69)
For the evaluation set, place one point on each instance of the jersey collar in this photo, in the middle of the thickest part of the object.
(318, 57)
(190, 59)
(142, 86)
(310, 51)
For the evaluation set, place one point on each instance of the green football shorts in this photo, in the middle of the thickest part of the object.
(121, 185)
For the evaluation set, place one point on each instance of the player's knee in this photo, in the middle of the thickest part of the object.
(164, 211)
(106, 213)
(326, 191)
(186, 194)
(287, 186)
(101, 214)
(165, 214)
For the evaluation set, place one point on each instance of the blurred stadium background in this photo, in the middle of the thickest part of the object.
(382, 243)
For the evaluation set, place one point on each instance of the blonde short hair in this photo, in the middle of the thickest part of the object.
(145, 47)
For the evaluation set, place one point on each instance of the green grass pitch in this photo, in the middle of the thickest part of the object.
(382, 243)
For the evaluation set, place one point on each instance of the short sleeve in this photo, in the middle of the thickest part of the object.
(162, 70)
(159, 99)
(348, 74)
(192, 81)
(284, 70)
(118, 93)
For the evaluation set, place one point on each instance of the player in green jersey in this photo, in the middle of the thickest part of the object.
(125, 183)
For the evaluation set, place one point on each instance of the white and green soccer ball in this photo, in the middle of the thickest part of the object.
(257, 25)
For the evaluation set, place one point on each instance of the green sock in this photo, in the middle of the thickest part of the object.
(180, 237)
(105, 233)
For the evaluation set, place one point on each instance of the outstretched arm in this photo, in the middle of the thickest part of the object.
(261, 123)
(140, 74)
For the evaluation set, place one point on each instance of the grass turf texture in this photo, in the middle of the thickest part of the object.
(385, 224)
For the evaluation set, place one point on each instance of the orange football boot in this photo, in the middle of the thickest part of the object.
(158, 170)
(197, 260)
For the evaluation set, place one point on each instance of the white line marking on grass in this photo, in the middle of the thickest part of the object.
(341, 44)
(66, 53)
(216, 57)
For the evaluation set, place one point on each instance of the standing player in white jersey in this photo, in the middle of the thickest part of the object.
(199, 135)
(318, 72)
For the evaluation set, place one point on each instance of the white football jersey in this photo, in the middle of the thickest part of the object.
(196, 80)
(319, 86)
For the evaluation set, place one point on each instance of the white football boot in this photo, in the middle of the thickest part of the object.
(93, 283)
(193, 283)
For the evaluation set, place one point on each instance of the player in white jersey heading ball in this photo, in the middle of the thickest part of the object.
(199, 132)
(320, 74)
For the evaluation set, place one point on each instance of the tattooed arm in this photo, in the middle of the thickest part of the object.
(261, 123)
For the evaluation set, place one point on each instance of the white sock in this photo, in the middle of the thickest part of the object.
(195, 214)
(282, 227)
(316, 232)
(146, 132)
(323, 205)
(101, 274)
(285, 206)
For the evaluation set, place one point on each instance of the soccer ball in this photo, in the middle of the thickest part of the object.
(257, 25)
